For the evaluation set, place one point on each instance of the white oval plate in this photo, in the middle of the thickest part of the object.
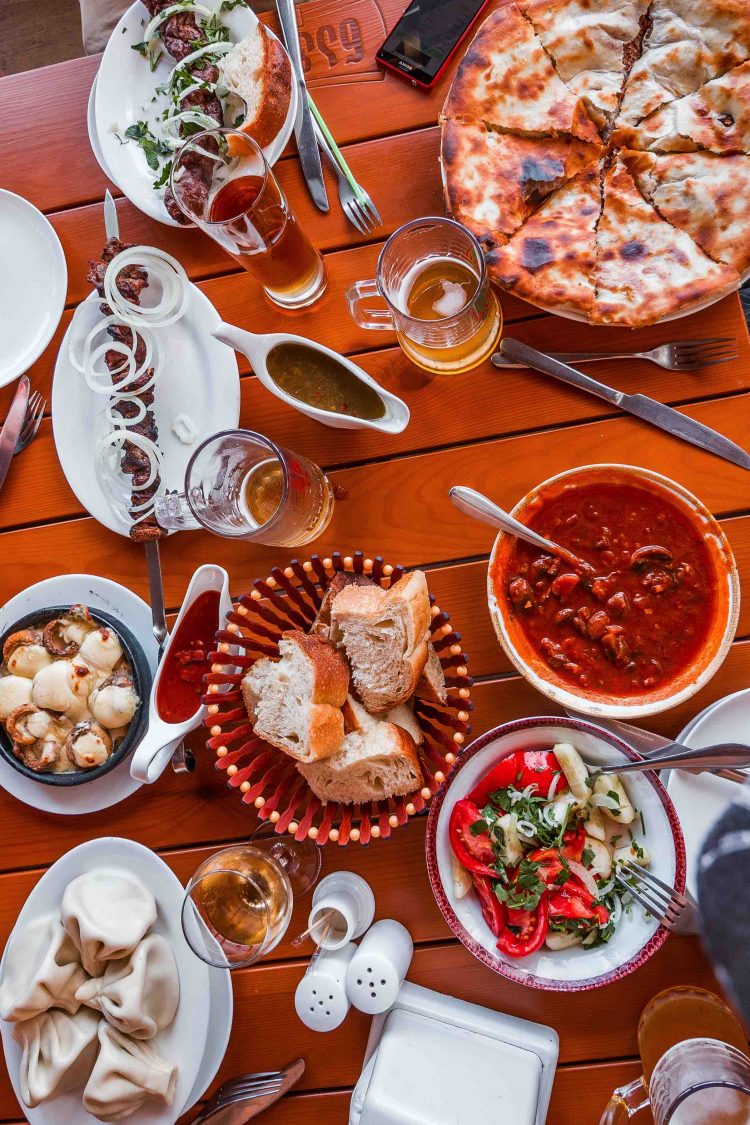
(700, 799)
(33, 284)
(124, 90)
(99, 593)
(96, 148)
(184, 1041)
(636, 937)
(199, 376)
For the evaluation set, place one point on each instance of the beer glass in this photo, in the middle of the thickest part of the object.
(703, 1080)
(242, 485)
(432, 278)
(222, 182)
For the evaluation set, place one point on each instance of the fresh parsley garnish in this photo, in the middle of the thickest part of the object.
(152, 148)
(525, 890)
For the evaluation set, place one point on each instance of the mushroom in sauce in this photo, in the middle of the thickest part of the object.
(88, 744)
(24, 653)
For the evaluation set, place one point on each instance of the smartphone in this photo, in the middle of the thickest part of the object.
(421, 44)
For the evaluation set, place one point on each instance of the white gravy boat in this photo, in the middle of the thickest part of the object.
(161, 738)
(256, 347)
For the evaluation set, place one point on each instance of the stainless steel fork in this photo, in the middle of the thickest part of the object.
(680, 355)
(33, 420)
(355, 202)
(675, 911)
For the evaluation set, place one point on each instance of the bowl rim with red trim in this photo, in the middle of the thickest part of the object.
(636, 937)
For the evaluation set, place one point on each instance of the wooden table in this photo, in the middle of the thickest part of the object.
(502, 432)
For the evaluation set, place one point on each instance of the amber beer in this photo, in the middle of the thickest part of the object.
(432, 277)
(269, 241)
(222, 182)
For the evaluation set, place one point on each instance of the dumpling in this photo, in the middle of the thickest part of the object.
(138, 994)
(24, 653)
(127, 1073)
(58, 1053)
(15, 691)
(64, 686)
(101, 650)
(42, 970)
(106, 912)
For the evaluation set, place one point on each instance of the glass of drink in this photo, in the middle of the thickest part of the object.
(432, 277)
(238, 904)
(242, 485)
(701, 1080)
(222, 182)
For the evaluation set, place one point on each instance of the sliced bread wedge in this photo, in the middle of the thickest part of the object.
(321, 626)
(384, 634)
(257, 69)
(432, 687)
(382, 762)
(295, 702)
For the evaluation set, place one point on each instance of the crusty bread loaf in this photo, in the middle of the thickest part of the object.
(258, 70)
(404, 717)
(295, 702)
(358, 718)
(384, 633)
(382, 762)
(432, 686)
(321, 626)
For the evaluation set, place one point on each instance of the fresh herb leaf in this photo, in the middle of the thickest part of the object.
(230, 5)
(141, 48)
(153, 149)
(478, 828)
(615, 796)
(164, 177)
(239, 120)
(643, 823)
(587, 857)
(526, 890)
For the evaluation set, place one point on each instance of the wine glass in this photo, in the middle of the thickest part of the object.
(238, 904)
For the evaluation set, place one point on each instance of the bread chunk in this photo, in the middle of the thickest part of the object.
(321, 626)
(257, 69)
(295, 702)
(382, 762)
(385, 635)
(432, 687)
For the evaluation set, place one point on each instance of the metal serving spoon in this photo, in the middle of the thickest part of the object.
(706, 759)
(473, 503)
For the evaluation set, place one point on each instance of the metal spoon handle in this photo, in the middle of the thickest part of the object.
(708, 758)
(480, 507)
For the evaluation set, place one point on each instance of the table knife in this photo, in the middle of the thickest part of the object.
(304, 128)
(645, 741)
(648, 409)
(111, 222)
(13, 426)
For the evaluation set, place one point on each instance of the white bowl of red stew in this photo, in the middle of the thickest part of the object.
(550, 916)
(652, 620)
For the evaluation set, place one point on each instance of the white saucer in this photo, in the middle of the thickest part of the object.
(33, 284)
(185, 1040)
(123, 604)
(701, 798)
(198, 376)
(96, 148)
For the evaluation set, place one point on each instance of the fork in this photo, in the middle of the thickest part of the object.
(31, 423)
(249, 1088)
(675, 911)
(355, 202)
(680, 355)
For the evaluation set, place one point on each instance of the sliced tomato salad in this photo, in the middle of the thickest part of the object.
(534, 834)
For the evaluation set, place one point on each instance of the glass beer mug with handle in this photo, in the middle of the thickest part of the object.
(701, 1080)
(242, 485)
(432, 277)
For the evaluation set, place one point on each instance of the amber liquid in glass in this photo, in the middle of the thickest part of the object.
(261, 494)
(253, 210)
(442, 289)
(235, 909)
(685, 1013)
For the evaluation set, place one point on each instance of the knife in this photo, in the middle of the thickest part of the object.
(13, 426)
(304, 128)
(646, 742)
(648, 409)
(111, 222)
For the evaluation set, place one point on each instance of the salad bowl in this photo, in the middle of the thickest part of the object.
(636, 936)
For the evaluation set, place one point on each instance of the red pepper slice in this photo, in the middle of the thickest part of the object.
(533, 926)
(473, 852)
(493, 911)
(574, 842)
(550, 864)
(502, 775)
(539, 768)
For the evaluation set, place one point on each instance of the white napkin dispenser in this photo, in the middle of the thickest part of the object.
(436, 1060)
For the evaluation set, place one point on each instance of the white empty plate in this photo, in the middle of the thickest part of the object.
(701, 798)
(33, 284)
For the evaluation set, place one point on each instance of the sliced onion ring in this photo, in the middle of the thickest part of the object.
(585, 877)
(158, 265)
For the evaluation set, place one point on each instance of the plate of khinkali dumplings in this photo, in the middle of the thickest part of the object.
(103, 1003)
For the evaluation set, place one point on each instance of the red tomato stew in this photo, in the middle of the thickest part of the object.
(643, 613)
(178, 695)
